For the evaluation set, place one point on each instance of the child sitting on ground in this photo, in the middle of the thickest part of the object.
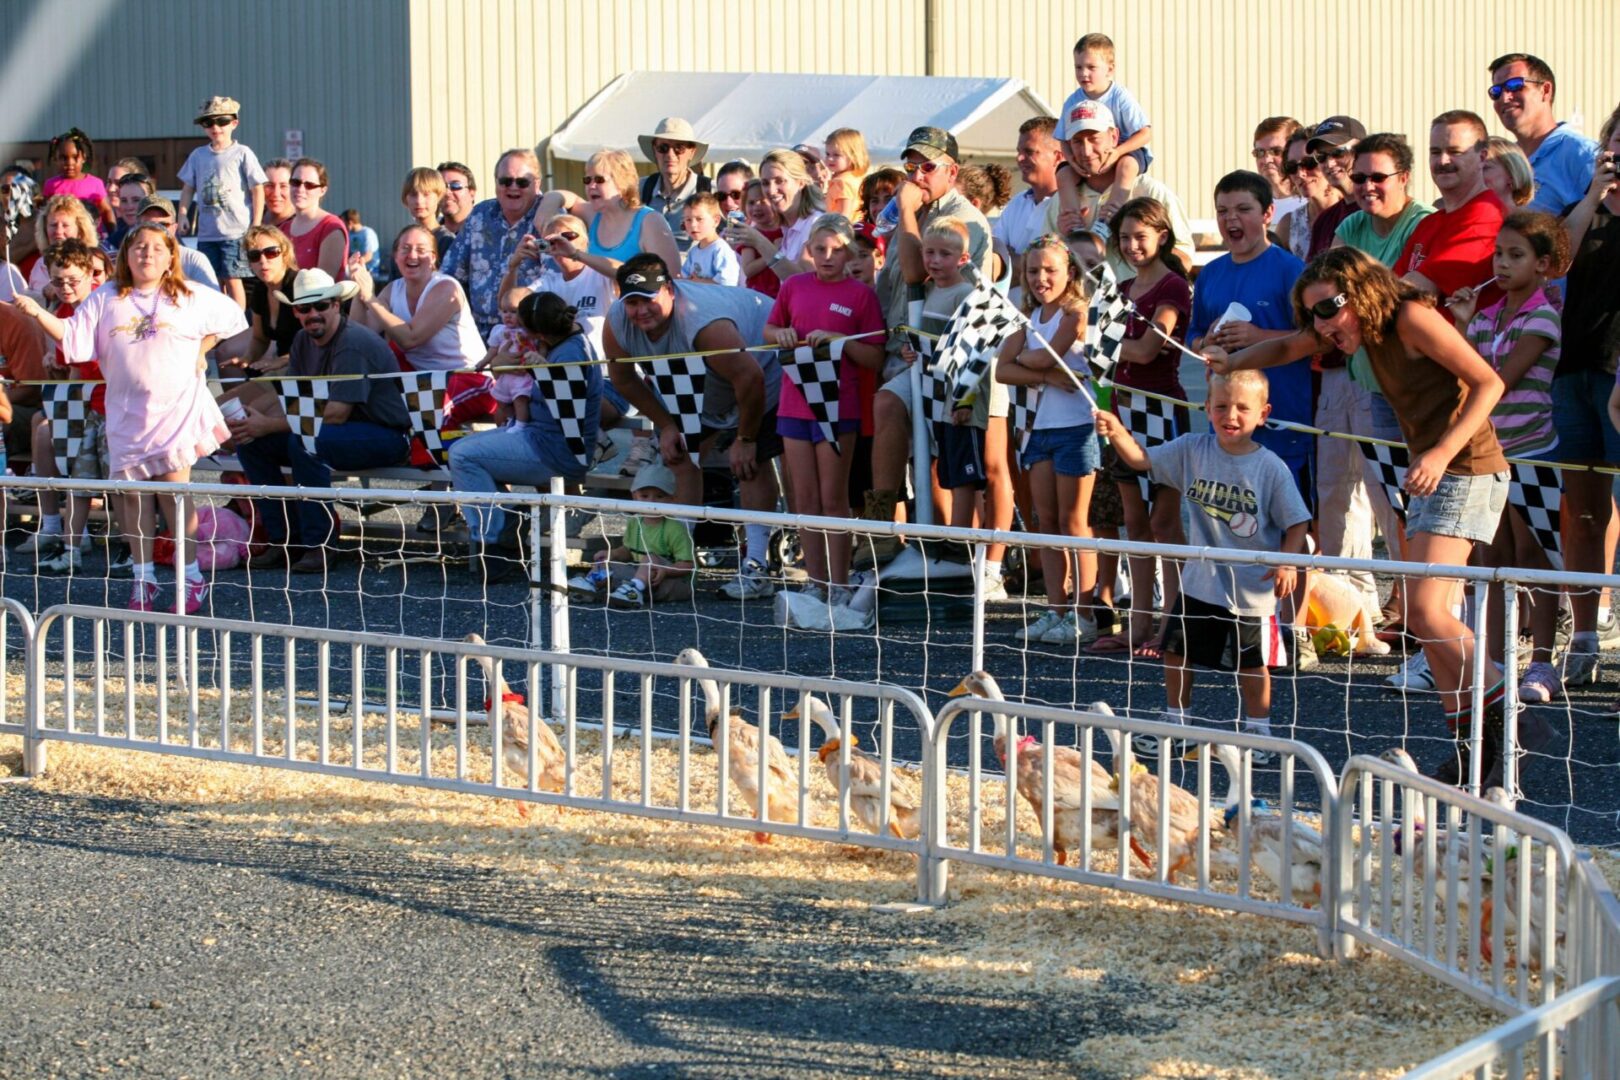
(654, 561)
(1241, 496)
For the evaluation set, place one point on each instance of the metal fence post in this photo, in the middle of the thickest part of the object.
(933, 871)
(1510, 690)
(33, 762)
(558, 557)
(1476, 705)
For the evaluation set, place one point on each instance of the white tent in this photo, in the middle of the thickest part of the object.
(746, 114)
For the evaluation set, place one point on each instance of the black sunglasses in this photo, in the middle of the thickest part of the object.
(1327, 309)
(1305, 163)
(728, 196)
(315, 308)
(672, 148)
(313, 185)
(1375, 177)
(567, 234)
(521, 182)
(255, 254)
(596, 180)
(1514, 85)
(1334, 152)
(216, 121)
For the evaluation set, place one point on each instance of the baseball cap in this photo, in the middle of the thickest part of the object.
(866, 233)
(655, 474)
(1336, 131)
(1089, 116)
(640, 282)
(932, 142)
(156, 202)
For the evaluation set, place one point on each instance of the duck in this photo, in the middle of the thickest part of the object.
(1269, 835)
(743, 748)
(1453, 868)
(513, 716)
(1066, 765)
(1508, 865)
(1182, 828)
(865, 776)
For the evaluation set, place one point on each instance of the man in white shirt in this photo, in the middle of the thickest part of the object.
(1029, 214)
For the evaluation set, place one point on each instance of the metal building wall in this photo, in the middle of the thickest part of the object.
(498, 73)
(336, 71)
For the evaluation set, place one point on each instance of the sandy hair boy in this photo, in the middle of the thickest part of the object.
(709, 259)
(1094, 72)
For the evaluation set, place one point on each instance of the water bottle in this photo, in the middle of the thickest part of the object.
(888, 218)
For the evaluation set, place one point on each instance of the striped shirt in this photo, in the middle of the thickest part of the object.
(1523, 418)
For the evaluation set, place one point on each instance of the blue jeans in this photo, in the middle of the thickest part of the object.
(356, 444)
(488, 462)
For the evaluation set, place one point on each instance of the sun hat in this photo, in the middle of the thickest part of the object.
(675, 129)
(219, 105)
(313, 285)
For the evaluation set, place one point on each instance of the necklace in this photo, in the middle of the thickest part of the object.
(146, 329)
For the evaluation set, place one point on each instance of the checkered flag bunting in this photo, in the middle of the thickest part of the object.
(303, 400)
(1150, 420)
(1024, 402)
(1534, 487)
(67, 406)
(678, 382)
(566, 390)
(424, 406)
(1106, 320)
(1389, 461)
(981, 323)
(815, 373)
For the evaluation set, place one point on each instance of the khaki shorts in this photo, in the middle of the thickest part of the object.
(92, 462)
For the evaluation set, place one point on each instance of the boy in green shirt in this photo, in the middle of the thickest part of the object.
(654, 562)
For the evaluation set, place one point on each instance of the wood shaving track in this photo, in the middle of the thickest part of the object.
(1211, 994)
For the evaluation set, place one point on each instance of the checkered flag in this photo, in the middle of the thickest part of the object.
(981, 323)
(678, 382)
(67, 406)
(302, 400)
(1024, 402)
(424, 406)
(1106, 320)
(566, 390)
(1151, 421)
(1534, 488)
(1389, 461)
(815, 372)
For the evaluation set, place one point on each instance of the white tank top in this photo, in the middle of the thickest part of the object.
(456, 346)
(1061, 408)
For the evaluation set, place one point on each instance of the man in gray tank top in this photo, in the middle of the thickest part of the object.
(656, 315)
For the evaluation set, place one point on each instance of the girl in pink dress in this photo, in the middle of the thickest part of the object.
(150, 331)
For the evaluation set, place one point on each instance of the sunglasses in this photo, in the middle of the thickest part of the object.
(1514, 85)
(923, 167)
(1304, 164)
(1327, 309)
(1373, 177)
(672, 148)
(313, 185)
(568, 235)
(522, 183)
(1262, 152)
(456, 185)
(728, 196)
(596, 180)
(216, 121)
(1332, 153)
(316, 308)
(255, 254)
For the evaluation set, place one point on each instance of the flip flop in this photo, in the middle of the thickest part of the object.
(1109, 643)
(1147, 651)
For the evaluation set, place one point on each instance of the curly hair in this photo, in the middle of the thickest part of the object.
(173, 284)
(1370, 288)
(84, 224)
(1546, 235)
(987, 187)
(77, 138)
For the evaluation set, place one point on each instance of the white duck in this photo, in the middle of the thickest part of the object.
(1508, 867)
(865, 776)
(743, 748)
(513, 716)
(1450, 878)
(1182, 828)
(1066, 764)
(1269, 834)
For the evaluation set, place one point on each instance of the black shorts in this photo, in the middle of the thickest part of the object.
(767, 445)
(1210, 636)
(961, 456)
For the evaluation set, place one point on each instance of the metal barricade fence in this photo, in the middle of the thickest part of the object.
(15, 700)
(1079, 805)
(411, 711)
(1593, 1006)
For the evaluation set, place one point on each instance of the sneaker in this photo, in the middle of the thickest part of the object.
(1036, 631)
(1540, 685)
(1608, 630)
(1580, 666)
(627, 597)
(143, 597)
(994, 587)
(1086, 627)
(605, 448)
(41, 545)
(642, 452)
(67, 561)
(840, 595)
(1065, 630)
(196, 593)
(1564, 629)
(584, 587)
(813, 591)
(1414, 675)
(1305, 650)
(751, 583)
(120, 564)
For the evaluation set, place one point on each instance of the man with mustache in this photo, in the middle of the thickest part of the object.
(1451, 249)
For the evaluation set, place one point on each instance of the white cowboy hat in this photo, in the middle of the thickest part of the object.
(675, 129)
(310, 286)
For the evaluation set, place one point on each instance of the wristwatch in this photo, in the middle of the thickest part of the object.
(747, 438)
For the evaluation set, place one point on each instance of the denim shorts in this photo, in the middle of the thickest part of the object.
(1581, 415)
(1468, 507)
(226, 257)
(1073, 451)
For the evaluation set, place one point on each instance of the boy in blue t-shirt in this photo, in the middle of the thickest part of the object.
(1245, 297)
(1094, 72)
(227, 182)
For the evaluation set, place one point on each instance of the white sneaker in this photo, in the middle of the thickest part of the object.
(66, 561)
(1085, 629)
(1608, 630)
(642, 452)
(995, 588)
(1414, 675)
(1065, 631)
(751, 583)
(840, 595)
(1580, 666)
(41, 543)
(1036, 631)
(582, 587)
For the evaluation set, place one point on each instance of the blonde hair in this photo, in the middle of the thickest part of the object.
(173, 285)
(620, 168)
(809, 200)
(1241, 380)
(837, 224)
(950, 226)
(1507, 154)
(529, 158)
(563, 219)
(83, 223)
(289, 258)
(1073, 297)
(753, 191)
(852, 144)
(422, 181)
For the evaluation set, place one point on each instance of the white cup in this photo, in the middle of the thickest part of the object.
(233, 410)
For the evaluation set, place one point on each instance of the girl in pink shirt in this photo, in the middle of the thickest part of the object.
(812, 312)
(74, 156)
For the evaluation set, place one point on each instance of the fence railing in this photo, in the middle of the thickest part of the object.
(1591, 1011)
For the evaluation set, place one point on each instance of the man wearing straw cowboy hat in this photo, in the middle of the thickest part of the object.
(364, 423)
(674, 148)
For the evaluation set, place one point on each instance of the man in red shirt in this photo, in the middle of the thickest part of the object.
(1452, 248)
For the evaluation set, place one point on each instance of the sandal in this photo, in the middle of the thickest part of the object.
(1148, 650)
(1109, 643)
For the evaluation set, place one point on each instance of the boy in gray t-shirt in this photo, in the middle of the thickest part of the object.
(1240, 495)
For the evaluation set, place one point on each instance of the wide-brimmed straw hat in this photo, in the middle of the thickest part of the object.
(219, 105)
(674, 129)
(311, 286)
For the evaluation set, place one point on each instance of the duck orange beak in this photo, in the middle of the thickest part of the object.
(828, 747)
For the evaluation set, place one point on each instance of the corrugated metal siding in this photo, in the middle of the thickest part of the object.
(336, 71)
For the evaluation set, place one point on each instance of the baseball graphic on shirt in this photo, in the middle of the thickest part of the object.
(1243, 524)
